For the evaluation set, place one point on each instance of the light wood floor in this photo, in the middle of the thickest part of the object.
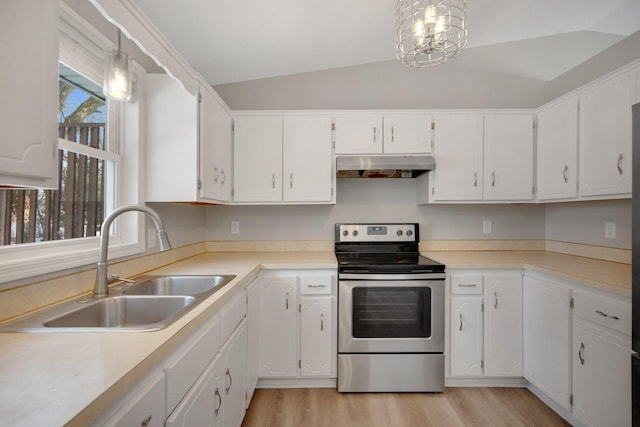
(460, 406)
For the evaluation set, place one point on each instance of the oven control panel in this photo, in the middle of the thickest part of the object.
(376, 232)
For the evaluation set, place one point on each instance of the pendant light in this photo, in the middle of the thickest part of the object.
(430, 32)
(117, 74)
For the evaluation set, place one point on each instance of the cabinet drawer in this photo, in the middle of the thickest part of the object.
(315, 285)
(187, 365)
(467, 284)
(232, 314)
(601, 310)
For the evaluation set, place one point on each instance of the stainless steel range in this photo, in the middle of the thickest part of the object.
(391, 311)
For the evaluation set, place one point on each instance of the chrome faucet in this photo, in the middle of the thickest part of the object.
(101, 288)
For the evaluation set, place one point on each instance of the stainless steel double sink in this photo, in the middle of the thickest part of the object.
(150, 303)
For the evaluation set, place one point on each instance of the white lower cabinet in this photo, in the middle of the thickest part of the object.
(143, 407)
(485, 325)
(234, 371)
(297, 329)
(253, 336)
(547, 338)
(601, 358)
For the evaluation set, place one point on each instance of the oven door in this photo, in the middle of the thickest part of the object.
(391, 316)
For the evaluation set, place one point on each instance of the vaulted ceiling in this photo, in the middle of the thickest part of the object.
(233, 41)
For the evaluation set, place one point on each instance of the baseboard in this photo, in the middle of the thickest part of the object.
(566, 415)
(485, 382)
(297, 383)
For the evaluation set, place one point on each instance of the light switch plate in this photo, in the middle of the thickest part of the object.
(235, 227)
(610, 230)
(486, 227)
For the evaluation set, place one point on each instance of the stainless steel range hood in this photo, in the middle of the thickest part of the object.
(383, 166)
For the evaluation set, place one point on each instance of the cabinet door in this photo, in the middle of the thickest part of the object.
(407, 134)
(605, 137)
(503, 325)
(234, 376)
(466, 336)
(29, 87)
(558, 151)
(144, 407)
(458, 153)
(307, 159)
(257, 159)
(215, 149)
(358, 134)
(278, 327)
(202, 406)
(315, 336)
(508, 157)
(601, 377)
(547, 338)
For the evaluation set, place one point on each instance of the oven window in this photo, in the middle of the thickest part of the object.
(393, 312)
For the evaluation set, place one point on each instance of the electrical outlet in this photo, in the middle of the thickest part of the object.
(610, 230)
(486, 226)
(151, 241)
(235, 227)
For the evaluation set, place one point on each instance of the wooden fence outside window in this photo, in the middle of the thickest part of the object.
(75, 209)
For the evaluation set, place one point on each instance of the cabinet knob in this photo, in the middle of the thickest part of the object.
(620, 157)
(219, 398)
(493, 179)
(475, 179)
(228, 374)
(581, 353)
(146, 421)
(460, 323)
(565, 174)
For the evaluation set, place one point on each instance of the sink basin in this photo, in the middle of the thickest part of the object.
(178, 285)
(152, 303)
(131, 312)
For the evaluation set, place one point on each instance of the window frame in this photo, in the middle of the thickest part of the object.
(82, 48)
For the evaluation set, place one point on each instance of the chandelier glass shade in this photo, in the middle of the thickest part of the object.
(430, 32)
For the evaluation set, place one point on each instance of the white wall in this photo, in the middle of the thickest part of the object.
(584, 222)
(184, 223)
(374, 200)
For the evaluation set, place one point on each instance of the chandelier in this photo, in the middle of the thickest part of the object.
(429, 32)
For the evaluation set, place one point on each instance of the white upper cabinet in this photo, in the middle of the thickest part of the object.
(307, 159)
(407, 133)
(282, 160)
(557, 155)
(458, 153)
(605, 136)
(400, 133)
(29, 87)
(358, 134)
(215, 154)
(508, 157)
(257, 143)
(186, 140)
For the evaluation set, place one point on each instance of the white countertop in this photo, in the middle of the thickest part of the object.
(71, 378)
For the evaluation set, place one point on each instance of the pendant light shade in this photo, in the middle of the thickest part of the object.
(430, 32)
(117, 75)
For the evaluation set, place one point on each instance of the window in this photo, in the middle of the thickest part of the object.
(43, 231)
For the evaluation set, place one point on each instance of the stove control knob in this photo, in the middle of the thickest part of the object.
(345, 233)
(409, 233)
(354, 233)
(399, 233)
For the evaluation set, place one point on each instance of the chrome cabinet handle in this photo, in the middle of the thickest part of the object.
(460, 323)
(291, 180)
(493, 179)
(146, 421)
(316, 286)
(620, 157)
(230, 381)
(469, 285)
(224, 177)
(374, 134)
(475, 179)
(322, 321)
(286, 301)
(216, 174)
(581, 353)
(565, 174)
(495, 305)
(393, 134)
(273, 180)
(217, 395)
(603, 314)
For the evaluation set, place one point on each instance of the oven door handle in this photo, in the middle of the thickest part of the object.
(346, 275)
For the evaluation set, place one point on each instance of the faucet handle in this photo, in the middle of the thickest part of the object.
(112, 278)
